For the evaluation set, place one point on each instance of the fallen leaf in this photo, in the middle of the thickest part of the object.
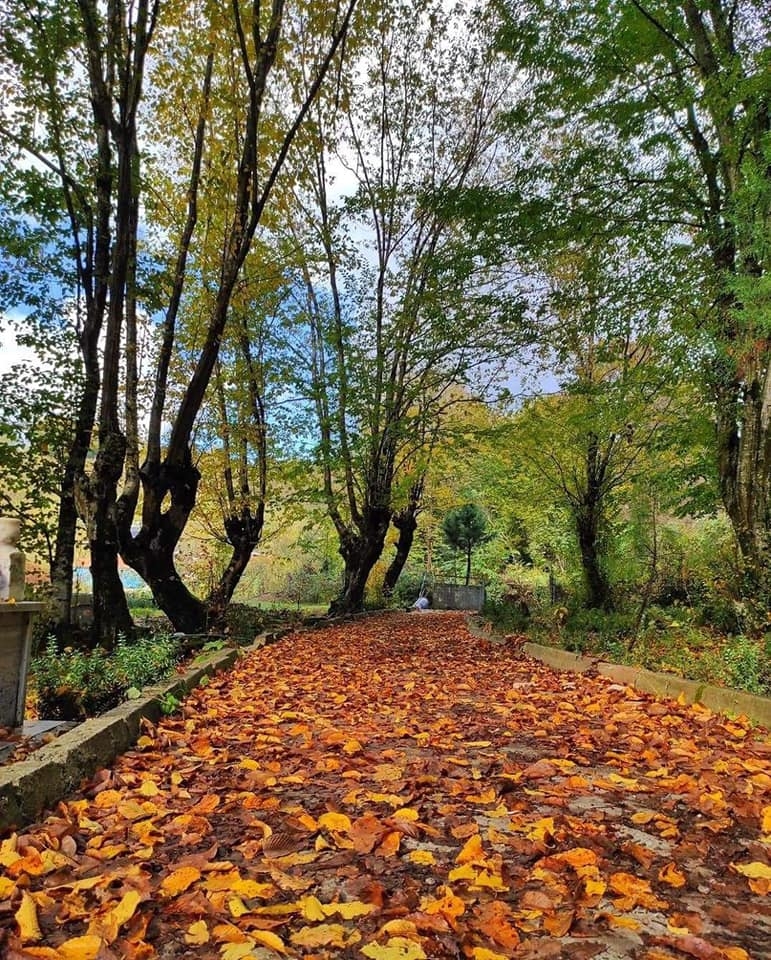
(179, 881)
(26, 918)
(197, 934)
(396, 948)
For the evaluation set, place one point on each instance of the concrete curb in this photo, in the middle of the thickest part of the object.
(718, 699)
(30, 786)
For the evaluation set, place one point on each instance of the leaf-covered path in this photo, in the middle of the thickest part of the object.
(398, 789)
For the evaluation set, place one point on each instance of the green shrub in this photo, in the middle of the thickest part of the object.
(506, 616)
(746, 665)
(72, 684)
(597, 631)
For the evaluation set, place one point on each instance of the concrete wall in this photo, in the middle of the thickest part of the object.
(451, 596)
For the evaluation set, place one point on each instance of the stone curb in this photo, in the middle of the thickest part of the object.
(718, 699)
(30, 786)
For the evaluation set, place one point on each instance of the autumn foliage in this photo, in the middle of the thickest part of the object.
(398, 789)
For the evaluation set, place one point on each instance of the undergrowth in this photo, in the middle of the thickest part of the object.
(670, 640)
(71, 684)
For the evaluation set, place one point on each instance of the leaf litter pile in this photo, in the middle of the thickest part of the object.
(397, 789)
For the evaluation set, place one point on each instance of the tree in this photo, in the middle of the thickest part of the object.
(604, 333)
(465, 528)
(655, 117)
(389, 333)
(91, 63)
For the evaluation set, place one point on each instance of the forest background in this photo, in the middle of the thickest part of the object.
(301, 279)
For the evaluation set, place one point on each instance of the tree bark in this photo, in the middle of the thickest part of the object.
(244, 533)
(406, 523)
(597, 586)
(588, 509)
(169, 497)
(360, 552)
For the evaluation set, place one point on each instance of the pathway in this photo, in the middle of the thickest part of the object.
(397, 789)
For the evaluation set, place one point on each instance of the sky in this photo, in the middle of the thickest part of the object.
(10, 351)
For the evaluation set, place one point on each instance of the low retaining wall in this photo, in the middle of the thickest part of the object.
(452, 596)
(29, 787)
(719, 699)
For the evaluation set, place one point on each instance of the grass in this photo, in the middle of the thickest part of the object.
(671, 640)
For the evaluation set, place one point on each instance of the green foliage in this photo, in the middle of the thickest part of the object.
(465, 528)
(73, 684)
(747, 665)
(169, 704)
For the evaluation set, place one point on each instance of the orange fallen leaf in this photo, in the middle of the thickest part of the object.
(471, 851)
(671, 875)
(179, 881)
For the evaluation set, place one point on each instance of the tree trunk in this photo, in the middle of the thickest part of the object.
(95, 498)
(597, 586)
(360, 551)
(406, 523)
(469, 548)
(744, 465)
(151, 551)
(112, 617)
(244, 535)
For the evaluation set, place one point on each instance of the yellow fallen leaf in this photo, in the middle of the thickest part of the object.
(406, 813)
(197, 934)
(423, 857)
(7, 887)
(338, 822)
(765, 821)
(350, 910)
(755, 870)
(237, 907)
(26, 917)
(397, 948)
(42, 953)
(594, 888)
(482, 953)
(251, 889)
(312, 908)
(400, 928)
(541, 830)
(268, 939)
(465, 872)
(324, 935)
(178, 881)
(148, 789)
(108, 924)
(643, 816)
(626, 923)
(236, 951)
(735, 953)
(490, 880)
(80, 948)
